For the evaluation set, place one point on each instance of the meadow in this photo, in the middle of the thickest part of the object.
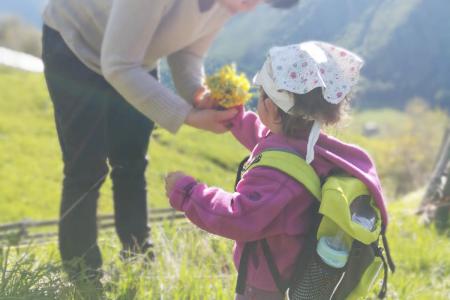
(191, 264)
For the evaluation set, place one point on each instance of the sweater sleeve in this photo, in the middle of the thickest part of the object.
(253, 212)
(129, 32)
(187, 68)
(248, 129)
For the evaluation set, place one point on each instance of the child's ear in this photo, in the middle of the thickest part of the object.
(273, 110)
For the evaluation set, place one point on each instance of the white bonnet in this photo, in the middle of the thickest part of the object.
(300, 68)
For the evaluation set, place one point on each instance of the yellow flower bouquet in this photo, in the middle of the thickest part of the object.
(228, 88)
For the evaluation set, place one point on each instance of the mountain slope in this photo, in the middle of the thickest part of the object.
(404, 43)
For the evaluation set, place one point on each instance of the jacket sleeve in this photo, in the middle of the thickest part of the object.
(129, 32)
(248, 129)
(186, 66)
(253, 212)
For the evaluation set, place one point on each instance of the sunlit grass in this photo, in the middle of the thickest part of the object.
(421, 254)
(30, 159)
(191, 264)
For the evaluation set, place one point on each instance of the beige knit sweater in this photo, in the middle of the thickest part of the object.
(124, 39)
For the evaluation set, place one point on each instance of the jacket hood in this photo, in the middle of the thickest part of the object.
(331, 153)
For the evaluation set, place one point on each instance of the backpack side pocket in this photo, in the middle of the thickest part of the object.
(362, 269)
(317, 281)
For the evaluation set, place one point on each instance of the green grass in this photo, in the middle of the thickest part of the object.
(421, 254)
(191, 264)
(30, 159)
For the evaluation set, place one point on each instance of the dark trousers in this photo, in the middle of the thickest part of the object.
(96, 127)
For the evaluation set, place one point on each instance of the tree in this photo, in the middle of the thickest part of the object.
(435, 205)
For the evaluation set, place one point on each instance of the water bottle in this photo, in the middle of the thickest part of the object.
(324, 270)
(363, 213)
(332, 250)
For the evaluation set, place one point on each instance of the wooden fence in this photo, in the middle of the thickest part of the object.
(36, 232)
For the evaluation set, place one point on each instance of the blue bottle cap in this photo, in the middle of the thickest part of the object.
(332, 257)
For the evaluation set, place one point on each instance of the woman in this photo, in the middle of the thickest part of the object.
(100, 66)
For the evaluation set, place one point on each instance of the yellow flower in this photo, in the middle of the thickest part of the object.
(228, 88)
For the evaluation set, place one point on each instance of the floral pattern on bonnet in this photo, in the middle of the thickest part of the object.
(302, 67)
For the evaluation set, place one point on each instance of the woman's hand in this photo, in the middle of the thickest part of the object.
(217, 121)
(171, 179)
(203, 100)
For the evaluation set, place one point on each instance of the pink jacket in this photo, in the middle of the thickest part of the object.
(268, 203)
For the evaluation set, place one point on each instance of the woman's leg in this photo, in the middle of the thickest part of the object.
(128, 135)
(80, 115)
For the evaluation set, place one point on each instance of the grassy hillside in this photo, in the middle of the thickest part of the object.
(191, 264)
(30, 163)
(30, 159)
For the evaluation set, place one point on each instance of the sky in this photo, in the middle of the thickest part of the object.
(29, 10)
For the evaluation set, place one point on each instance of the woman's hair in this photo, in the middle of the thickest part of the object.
(282, 3)
(309, 107)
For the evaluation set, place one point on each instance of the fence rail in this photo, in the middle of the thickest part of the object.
(29, 231)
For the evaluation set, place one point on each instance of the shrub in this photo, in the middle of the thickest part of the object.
(17, 35)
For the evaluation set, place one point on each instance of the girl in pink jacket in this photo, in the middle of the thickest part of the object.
(302, 86)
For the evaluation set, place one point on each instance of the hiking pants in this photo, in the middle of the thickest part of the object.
(97, 129)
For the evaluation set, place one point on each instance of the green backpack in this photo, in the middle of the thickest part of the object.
(312, 278)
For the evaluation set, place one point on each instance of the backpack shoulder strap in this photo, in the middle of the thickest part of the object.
(291, 164)
(294, 166)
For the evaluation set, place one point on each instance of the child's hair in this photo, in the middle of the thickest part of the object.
(309, 107)
(282, 3)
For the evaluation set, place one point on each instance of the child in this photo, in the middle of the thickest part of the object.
(301, 87)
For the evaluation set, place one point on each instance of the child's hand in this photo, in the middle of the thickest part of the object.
(171, 179)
